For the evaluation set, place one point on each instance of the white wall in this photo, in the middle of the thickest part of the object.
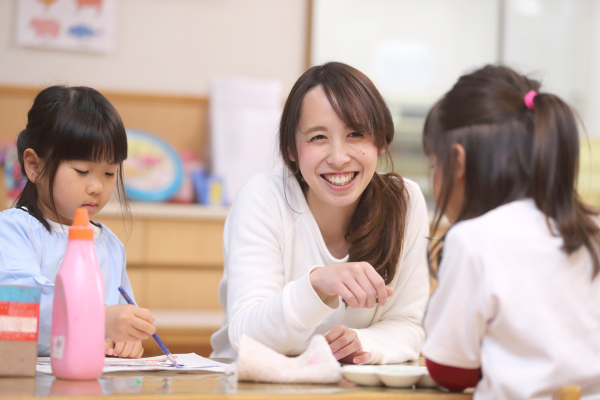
(413, 50)
(171, 46)
(557, 41)
(551, 41)
(593, 105)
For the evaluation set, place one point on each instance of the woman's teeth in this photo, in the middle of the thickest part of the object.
(339, 179)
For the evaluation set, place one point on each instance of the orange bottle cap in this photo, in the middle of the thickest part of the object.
(81, 229)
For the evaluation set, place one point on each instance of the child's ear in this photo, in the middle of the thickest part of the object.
(33, 165)
(291, 156)
(459, 153)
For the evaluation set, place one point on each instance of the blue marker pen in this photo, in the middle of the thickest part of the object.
(155, 336)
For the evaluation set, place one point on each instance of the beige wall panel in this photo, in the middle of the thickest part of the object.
(131, 235)
(14, 105)
(180, 121)
(182, 289)
(185, 243)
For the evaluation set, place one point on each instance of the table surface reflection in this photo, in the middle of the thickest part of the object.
(207, 385)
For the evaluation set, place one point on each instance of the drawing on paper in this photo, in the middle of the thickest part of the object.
(45, 27)
(189, 362)
(76, 25)
(89, 3)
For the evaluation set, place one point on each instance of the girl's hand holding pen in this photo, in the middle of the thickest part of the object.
(127, 323)
(123, 349)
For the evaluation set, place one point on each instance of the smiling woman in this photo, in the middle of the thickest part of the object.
(328, 227)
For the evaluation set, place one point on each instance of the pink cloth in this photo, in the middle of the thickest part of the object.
(257, 362)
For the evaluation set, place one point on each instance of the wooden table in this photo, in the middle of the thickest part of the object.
(204, 385)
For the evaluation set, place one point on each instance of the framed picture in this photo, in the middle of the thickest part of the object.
(74, 25)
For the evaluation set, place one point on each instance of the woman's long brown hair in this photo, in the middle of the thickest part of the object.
(376, 230)
(511, 152)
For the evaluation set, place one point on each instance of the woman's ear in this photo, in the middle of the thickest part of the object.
(291, 156)
(32, 164)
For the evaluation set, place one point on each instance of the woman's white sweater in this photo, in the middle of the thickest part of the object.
(272, 242)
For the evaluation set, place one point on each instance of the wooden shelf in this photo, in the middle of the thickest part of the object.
(169, 211)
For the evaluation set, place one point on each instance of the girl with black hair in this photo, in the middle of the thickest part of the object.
(71, 152)
(516, 311)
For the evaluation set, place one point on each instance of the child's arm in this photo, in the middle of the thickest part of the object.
(126, 325)
(458, 312)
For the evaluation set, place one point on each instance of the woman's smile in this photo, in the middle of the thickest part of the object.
(340, 181)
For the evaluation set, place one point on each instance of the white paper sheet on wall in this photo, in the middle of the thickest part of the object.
(244, 118)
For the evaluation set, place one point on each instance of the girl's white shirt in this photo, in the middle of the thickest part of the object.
(511, 302)
(272, 242)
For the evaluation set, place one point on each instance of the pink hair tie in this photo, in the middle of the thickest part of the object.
(529, 99)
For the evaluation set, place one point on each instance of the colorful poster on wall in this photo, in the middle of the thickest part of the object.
(76, 25)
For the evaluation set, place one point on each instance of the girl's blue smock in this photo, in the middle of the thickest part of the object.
(31, 256)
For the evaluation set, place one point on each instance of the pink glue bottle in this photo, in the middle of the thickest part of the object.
(77, 344)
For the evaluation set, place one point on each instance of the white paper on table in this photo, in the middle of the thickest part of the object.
(188, 362)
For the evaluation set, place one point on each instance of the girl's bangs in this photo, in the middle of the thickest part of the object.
(93, 135)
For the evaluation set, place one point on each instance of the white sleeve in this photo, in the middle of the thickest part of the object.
(460, 308)
(398, 335)
(259, 304)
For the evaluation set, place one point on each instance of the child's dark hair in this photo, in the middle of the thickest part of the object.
(70, 123)
(511, 152)
(376, 230)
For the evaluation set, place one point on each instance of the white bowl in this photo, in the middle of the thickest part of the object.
(401, 376)
(426, 381)
(365, 375)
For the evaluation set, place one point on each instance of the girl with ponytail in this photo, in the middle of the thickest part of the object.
(71, 152)
(330, 247)
(516, 310)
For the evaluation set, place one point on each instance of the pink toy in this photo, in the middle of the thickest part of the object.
(78, 313)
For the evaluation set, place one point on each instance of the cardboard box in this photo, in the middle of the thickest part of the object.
(19, 324)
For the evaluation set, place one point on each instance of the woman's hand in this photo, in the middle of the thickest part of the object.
(346, 346)
(127, 323)
(123, 349)
(357, 283)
